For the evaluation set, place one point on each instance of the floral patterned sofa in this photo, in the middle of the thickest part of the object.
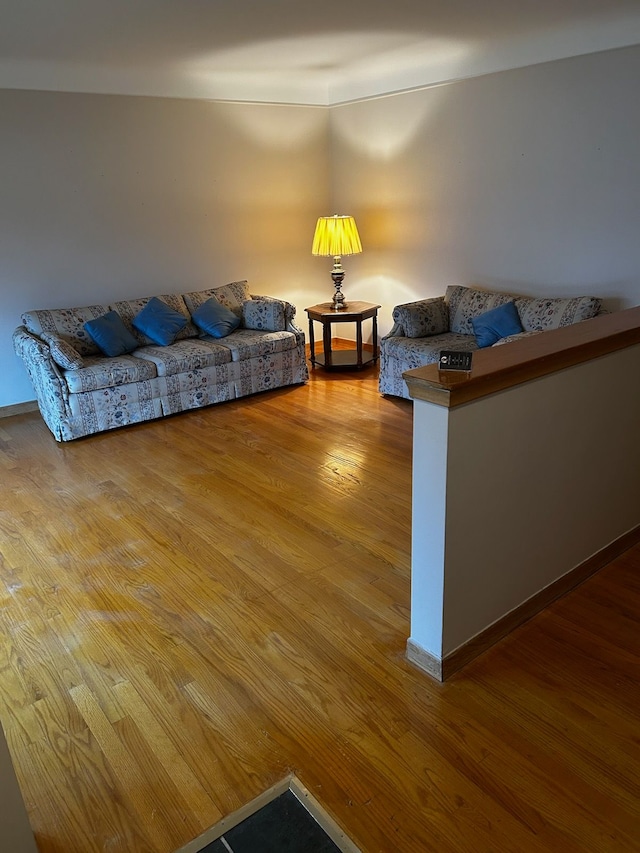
(422, 328)
(81, 391)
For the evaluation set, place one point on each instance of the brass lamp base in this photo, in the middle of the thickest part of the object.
(337, 275)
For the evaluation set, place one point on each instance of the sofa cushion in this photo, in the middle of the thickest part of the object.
(537, 315)
(422, 318)
(68, 323)
(416, 352)
(495, 324)
(247, 343)
(64, 355)
(99, 372)
(264, 315)
(110, 334)
(467, 302)
(159, 322)
(509, 339)
(185, 356)
(231, 295)
(130, 308)
(215, 319)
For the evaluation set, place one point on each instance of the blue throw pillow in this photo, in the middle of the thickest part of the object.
(160, 322)
(216, 319)
(497, 323)
(111, 335)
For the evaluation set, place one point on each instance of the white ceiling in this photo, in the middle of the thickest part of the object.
(292, 51)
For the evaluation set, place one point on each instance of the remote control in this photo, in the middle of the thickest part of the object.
(450, 360)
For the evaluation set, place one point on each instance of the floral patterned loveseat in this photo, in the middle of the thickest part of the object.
(81, 391)
(422, 328)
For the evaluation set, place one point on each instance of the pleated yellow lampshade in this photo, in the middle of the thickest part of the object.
(336, 236)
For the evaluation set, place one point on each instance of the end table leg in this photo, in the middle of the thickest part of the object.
(312, 344)
(326, 339)
(375, 337)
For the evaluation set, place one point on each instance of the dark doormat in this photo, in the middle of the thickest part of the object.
(285, 819)
(282, 826)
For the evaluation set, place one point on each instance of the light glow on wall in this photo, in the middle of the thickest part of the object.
(326, 68)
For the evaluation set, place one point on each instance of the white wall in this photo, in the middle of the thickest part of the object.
(526, 180)
(106, 196)
(514, 490)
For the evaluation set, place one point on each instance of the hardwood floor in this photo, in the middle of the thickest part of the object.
(194, 608)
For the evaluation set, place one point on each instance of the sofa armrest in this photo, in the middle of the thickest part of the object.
(28, 346)
(420, 319)
(48, 383)
(396, 331)
(289, 312)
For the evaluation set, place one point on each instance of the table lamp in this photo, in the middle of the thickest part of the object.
(336, 236)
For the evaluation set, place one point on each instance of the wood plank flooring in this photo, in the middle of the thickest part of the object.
(194, 608)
